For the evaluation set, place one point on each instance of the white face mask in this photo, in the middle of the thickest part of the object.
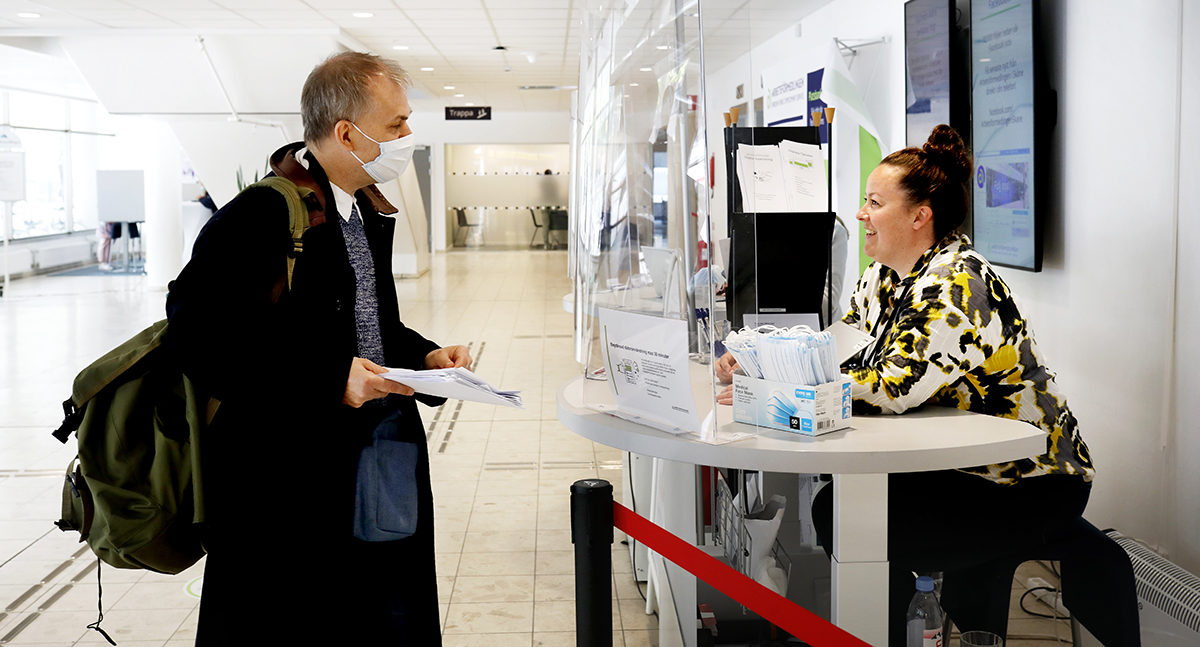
(393, 157)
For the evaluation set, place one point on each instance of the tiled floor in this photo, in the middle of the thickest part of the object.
(501, 476)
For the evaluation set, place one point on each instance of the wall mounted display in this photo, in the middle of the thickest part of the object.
(1013, 111)
(935, 70)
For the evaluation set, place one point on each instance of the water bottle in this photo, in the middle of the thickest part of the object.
(924, 616)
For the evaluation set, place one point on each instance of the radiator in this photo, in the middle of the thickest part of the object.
(1168, 600)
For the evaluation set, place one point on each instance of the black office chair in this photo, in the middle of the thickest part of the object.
(536, 227)
(1098, 587)
(559, 221)
(463, 225)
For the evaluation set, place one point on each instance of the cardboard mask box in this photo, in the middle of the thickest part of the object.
(805, 410)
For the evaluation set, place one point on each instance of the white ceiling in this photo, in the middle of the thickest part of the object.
(454, 37)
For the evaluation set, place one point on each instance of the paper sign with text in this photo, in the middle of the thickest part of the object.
(647, 362)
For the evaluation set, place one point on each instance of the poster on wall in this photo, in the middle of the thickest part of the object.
(813, 81)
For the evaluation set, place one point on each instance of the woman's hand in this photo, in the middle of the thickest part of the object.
(449, 357)
(726, 365)
(726, 395)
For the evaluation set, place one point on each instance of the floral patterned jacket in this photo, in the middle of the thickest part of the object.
(950, 335)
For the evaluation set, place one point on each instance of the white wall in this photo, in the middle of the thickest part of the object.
(877, 70)
(1103, 306)
(1183, 448)
(1114, 322)
(431, 129)
(218, 147)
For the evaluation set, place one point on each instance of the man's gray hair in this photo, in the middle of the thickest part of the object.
(340, 88)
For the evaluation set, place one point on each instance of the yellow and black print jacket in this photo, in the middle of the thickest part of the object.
(952, 336)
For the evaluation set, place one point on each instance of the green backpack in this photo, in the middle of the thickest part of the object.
(134, 492)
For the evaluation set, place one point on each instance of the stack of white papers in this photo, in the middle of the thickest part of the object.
(455, 384)
(787, 177)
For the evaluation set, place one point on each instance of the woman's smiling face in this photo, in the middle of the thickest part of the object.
(895, 233)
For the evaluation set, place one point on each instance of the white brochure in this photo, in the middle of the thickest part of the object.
(786, 177)
(647, 362)
(455, 384)
(760, 174)
(804, 171)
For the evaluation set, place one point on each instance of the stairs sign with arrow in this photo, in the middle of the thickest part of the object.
(469, 113)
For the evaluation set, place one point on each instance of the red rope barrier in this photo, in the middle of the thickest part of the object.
(775, 608)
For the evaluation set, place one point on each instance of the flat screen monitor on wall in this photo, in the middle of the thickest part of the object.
(1012, 112)
(935, 70)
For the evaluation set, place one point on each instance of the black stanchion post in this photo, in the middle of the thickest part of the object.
(592, 534)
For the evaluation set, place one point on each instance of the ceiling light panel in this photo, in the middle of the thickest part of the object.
(527, 4)
(349, 6)
(153, 5)
(440, 5)
(301, 13)
(443, 15)
(379, 18)
(560, 15)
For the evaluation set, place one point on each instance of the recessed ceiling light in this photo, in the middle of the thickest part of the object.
(363, 14)
(468, 104)
(633, 85)
(26, 14)
(646, 69)
(663, 47)
(427, 69)
(447, 87)
(400, 47)
(459, 95)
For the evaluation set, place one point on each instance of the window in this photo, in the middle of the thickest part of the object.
(64, 141)
(44, 210)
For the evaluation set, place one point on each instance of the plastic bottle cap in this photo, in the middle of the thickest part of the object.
(925, 583)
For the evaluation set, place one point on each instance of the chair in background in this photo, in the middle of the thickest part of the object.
(463, 225)
(558, 221)
(536, 227)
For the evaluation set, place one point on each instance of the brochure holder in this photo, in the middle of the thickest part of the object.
(780, 261)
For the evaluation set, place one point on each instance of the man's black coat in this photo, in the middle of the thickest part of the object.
(280, 459)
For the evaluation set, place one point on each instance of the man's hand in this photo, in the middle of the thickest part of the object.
(726, 365)
(449, 357)
(364, 384)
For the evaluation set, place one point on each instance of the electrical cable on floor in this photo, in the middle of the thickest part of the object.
(1021, 602)
(1055, 617)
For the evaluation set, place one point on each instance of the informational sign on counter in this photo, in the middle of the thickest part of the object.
(647, 363)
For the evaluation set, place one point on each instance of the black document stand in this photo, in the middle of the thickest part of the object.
(779, 262)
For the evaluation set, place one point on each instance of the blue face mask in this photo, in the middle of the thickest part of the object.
(393, 158)
(780, 408)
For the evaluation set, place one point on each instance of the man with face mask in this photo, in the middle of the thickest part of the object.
(297, 379)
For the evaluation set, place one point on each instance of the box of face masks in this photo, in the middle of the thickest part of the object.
(806, 410)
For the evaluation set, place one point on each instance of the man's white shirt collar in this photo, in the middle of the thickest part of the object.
(342, 200)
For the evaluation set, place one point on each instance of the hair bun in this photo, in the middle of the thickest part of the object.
(945, 148)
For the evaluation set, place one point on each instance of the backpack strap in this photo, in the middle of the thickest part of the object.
(298, 214)
(283, 163)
